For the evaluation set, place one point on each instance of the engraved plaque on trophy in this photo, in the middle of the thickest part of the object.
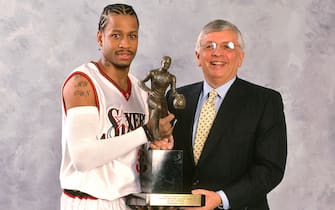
(161, 172)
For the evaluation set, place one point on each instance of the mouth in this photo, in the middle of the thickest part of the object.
(124, 54)
(215, 63)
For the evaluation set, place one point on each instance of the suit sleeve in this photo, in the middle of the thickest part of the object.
(267, 168)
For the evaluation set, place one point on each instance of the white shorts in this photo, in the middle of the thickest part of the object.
(75, 203)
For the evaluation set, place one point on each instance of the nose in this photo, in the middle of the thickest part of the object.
(218, 50)
(124, 43)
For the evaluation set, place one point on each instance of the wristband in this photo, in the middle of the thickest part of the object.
(148, 133)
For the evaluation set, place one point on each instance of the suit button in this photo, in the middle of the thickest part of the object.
(196, 182)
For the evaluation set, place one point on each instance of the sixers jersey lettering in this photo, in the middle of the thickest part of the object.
(122, 123)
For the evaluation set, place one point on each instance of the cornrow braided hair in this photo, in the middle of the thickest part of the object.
(118, 9)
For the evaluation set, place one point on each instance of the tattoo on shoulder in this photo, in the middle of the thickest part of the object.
(76, 76)
(82, 93)
(81, 84)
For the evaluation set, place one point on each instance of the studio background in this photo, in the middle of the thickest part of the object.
(290, 47)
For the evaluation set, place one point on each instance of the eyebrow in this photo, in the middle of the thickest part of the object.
(120, 31)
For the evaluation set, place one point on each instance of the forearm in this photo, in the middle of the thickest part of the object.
(85, 149)
(253, 186)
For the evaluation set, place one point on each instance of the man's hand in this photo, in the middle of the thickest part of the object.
(165, 143)
(213, 200)
(165, 127)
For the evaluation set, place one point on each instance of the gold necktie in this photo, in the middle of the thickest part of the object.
(206, 118)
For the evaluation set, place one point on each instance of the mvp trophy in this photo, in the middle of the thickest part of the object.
(161, 172)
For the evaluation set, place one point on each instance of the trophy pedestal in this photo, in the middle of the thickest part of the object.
(161, 178)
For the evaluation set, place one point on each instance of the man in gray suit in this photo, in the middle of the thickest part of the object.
(244, 155)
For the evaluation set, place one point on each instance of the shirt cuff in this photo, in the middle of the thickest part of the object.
(224, 199)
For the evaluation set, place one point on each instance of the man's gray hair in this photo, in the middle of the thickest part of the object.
(217, 26)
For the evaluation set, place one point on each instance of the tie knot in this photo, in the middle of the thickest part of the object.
(212, 95)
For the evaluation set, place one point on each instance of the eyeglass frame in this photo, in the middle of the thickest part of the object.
(228, 46)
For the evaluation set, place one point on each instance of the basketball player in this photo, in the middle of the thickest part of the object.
(105, 120)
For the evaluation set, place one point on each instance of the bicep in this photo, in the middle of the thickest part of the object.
(78, 91)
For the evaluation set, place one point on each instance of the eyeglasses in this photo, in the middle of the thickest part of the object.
(226, 46)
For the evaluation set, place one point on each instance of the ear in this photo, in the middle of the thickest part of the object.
(99, 39)
(197, 56)
(241, 58)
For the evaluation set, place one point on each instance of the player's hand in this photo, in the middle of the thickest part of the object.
(165, 143)
(213, 200)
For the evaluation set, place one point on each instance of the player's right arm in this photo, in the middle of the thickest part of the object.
(86, 149)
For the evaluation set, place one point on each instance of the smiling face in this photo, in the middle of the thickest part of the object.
(219, 62)
(118, 40)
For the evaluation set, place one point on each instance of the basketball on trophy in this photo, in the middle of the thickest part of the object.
(179, 101)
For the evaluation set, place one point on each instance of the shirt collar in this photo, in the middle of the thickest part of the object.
(221, 90)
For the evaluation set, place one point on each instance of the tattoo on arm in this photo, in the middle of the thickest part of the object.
(81, 84)
(80, 87)
(83, 93)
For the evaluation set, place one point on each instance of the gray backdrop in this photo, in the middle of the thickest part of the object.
(290, 47)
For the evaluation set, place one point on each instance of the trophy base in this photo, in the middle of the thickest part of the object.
(163, 199)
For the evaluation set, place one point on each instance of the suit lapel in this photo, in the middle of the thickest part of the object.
(222, 124)
(192, 98)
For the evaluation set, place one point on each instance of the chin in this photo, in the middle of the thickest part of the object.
(122, 66)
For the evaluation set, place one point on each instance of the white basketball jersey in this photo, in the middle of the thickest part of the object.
(118, 116)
